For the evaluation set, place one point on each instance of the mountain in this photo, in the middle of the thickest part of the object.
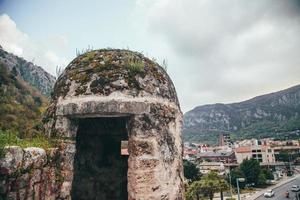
(30, 73)
(21, 105)
(274, 115)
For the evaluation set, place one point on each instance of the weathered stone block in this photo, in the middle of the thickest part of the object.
(12, 196)
(67, 153)
(23, 181)
(140, 147)
(34, 157)
(65, 191)
(12, 160)
(36, 176)
(22, 193)
(53, 156)
(145, 163)
(38, 192)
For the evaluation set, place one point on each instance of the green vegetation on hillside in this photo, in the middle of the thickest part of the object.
(275, 115)
(202, 136)
(8, 138)
(267, 128)
(21, 108)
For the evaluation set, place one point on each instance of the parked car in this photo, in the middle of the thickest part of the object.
(295, 188)
(269, 194)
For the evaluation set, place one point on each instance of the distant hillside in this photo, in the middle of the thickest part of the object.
(21, 105)
(271, 115)
(32, 74)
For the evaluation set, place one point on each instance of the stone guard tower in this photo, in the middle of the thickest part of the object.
(103, 99)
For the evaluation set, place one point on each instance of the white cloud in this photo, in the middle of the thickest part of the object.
(11, 38)
(15, 41)
(228, 50)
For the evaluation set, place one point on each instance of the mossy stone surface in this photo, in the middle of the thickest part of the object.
(96, 71)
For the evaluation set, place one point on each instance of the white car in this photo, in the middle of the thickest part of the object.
(295, 188)
(269, 194)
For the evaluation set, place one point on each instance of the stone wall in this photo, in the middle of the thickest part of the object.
(155, 155)
(33, 173)
(155, 168)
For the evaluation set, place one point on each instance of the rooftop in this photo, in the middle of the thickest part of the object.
(215, 154)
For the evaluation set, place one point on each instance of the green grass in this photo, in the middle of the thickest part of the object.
(135, 66)
(8, 138)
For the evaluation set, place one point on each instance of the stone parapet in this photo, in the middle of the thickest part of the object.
(35, 173)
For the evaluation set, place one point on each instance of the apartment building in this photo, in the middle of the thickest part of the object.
(263, 154)
(217, 156)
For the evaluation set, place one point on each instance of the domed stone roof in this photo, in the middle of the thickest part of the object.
(107, 71)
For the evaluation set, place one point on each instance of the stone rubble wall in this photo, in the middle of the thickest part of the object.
(155, 149)
(33, 173)
(155, 168)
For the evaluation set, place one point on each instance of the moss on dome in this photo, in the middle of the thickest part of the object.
(105, 71)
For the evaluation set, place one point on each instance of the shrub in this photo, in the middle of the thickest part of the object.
(135, 66)
(191, 171)
(9, 138)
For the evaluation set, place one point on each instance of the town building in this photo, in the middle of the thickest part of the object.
(224, 139)
(206, 167)
(217, 156)
(290, 150)
(263, 154)
(190, 154)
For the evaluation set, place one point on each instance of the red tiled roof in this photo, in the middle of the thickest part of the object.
(243, 149)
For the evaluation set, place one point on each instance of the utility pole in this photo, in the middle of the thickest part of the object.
(238, 187)
(290, 161)
(230, 182)
(290, 164)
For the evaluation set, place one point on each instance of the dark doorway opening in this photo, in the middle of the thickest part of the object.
(100, 171)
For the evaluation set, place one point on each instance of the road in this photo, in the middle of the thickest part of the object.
(280, 191)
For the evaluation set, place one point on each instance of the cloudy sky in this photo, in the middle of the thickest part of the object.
(218, 51)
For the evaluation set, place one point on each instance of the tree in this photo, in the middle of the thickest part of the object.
(268, 174)
(251, 170)
(237, 173)
(283, 156)
(191, 171)
(207, 186)
(223, 185)
(261, 181)
(194, 191)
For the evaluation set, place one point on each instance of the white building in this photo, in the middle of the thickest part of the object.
(206, 167)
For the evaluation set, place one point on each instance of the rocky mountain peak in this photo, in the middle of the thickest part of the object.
(35, 75)
(270, 115)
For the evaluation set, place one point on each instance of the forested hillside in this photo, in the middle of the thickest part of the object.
(21, 105)
(272, 115)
